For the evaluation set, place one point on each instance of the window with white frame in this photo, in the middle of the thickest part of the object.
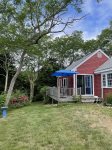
(104, 80)
(65, 82)
(109, 80)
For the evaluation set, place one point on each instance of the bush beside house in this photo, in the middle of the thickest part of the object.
(108, 100)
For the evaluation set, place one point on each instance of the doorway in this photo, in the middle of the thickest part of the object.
(85, 82)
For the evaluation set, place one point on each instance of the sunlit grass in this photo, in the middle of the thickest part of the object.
(63, 127)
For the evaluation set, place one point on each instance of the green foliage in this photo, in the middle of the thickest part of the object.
(18, 93)
(77, 99)
(43, 92)
(67, 47)
(2, 99)
(108, 99)
(45, 72)
(90, 46)
(19, 99)
(45, 78)
(6, 64)
(105, 40)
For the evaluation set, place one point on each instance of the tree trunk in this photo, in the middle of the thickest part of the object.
(6, 81)
(12, 83)
(31, 90)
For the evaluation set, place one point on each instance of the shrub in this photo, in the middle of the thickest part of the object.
(77, 99)
(108, 99)
(43, 92)
(19, 99)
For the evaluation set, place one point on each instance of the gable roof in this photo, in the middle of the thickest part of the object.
(107, 66)
(82, 60)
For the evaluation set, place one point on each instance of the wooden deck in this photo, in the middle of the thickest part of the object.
(66, 95)
(61, 94)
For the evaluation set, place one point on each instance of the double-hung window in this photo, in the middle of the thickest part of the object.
(109, 80)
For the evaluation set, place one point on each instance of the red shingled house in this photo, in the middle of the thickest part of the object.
(92, 79)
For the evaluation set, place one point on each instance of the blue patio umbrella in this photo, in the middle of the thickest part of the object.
(64, 73)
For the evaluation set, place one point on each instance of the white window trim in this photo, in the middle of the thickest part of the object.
(106, 80)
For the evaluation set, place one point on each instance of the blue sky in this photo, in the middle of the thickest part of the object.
(97, 19)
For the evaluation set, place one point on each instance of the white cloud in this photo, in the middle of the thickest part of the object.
(97, 19)
(88, 7)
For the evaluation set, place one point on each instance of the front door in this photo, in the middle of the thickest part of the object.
(85, 83)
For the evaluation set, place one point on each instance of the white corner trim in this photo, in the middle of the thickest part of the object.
(102, 85)
(93, 85)
(99, 50)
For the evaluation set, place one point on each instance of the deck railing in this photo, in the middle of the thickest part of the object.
(53, 92)
(63, 92)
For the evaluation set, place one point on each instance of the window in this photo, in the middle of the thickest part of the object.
(104, 80)
(87, 79)
(109, 79)
(65, 82)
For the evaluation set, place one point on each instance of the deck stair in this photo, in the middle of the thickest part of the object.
(90, 99)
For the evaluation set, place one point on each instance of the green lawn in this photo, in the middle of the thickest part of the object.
(66, 127)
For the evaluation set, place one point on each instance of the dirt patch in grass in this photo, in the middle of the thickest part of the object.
(103, 122)
(99, 120)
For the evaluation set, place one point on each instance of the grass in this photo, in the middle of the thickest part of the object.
(66, 127)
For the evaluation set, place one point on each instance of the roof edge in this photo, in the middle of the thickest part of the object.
(104, 70)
